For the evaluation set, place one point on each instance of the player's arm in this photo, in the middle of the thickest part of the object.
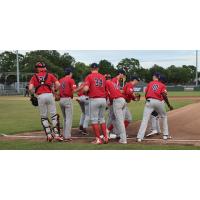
(164, 95)
(31, 88)
(57, 85)
(86, 86)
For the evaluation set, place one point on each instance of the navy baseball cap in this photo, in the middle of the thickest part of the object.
(162, 79)
(132, 78)
(157, 74)
(121, 71)
(68, 70)
(94, 65)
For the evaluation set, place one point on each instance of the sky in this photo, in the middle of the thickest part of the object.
(147, 58)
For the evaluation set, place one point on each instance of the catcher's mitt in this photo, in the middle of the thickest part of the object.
(34, 100)
(137, 97)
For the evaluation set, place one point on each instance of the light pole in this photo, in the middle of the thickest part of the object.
(17, 64)
(196, 67)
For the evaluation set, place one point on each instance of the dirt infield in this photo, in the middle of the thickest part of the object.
(184, 126)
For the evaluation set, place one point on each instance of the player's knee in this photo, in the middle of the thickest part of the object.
(54, 120)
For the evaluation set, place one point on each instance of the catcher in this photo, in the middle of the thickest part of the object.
(40, 87)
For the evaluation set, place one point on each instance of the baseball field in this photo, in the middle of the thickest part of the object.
(20, 126)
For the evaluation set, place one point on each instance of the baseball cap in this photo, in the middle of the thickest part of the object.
(40, 65)
(162, 79)
(121, 71)
(157, 74)
(94, 65)
(68, 70)
(132, 78)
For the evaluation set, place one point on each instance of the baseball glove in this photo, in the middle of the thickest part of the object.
(137, 97)
(34, 100)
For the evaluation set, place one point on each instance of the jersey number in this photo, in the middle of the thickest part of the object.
(98, 82)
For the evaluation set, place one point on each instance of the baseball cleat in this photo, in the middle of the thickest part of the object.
(97, 141)
(49, 138)
(106, 140)
(67, 139)
(165, 137)
(58, 138)
(153, 132)
(138, 140)
(122, 142)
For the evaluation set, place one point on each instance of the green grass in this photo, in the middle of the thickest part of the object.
(182, 94)
(28, 145)
(18, 115)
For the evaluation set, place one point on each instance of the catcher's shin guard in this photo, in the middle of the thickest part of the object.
(46, 125)
(56, 124)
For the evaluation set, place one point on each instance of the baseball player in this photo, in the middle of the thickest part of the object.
(111, 123)
(130, 95)
(154, 119)
(41, 84)
(67, 88)
(156, 94)
(95, 86)
(83, 101)
(118, 106)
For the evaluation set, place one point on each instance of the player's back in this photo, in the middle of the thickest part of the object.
(96, 83)
(155, 89)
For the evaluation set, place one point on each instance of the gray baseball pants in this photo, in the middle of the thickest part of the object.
(85, 116)
(150, 106)
(97, 110)
(66, 106)
(119, 106)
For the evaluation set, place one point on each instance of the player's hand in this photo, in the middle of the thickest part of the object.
(137, 97)
(171, 107)
(57, 97)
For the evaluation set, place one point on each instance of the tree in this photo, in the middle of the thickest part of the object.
(131, 66)
(81, 70)
(8, 61)
(152, 70)
(106, 67)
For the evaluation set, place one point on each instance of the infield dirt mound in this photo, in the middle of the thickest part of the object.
(184, 127)
(184, 123)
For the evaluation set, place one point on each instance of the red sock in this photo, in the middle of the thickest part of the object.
(103, 128)
(126, 123)
(110, 128)
(96, 130)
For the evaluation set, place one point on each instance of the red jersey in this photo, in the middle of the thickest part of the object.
(67, 87)
(96, 83)
(48, 83)
(155, 89)
(112, 90)
(116, 81)
(128, 92)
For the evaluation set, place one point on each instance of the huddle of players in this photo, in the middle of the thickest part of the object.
(96, 93)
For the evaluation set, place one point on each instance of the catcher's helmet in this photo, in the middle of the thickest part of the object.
(40, 65)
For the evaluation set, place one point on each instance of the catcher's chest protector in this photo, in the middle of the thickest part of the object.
(42, 82)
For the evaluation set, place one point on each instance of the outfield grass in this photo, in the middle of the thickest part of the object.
(28, 145)
(18, 115)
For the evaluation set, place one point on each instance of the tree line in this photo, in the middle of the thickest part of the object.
(56, 63)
